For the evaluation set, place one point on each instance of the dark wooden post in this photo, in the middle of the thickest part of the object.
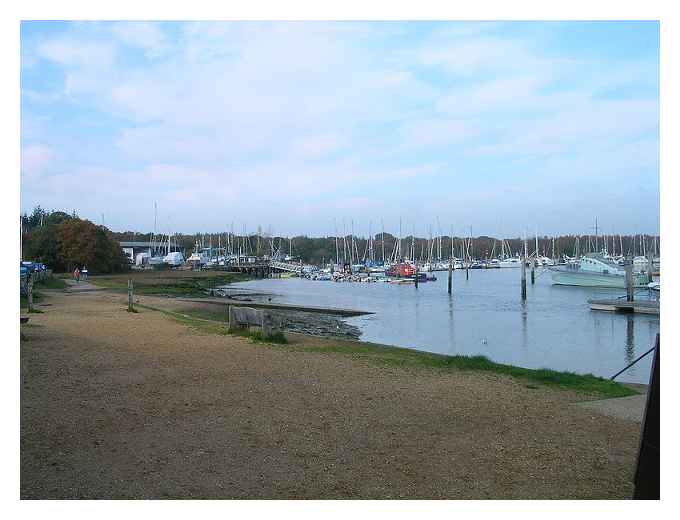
(533, 272)
(629, 280)
(416, 275)
(524, 279)
(650, 266)
(647, 474)
(231, 325)
(450, 274)
(130, 296)
(29, 292)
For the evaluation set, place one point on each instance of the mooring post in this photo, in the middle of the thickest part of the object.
(629, 280)
(524, 278)
(467, 269)
(130, 296)
(29, 292)
(450, 274)
(416, 275)
(650, 266)
(533, 274)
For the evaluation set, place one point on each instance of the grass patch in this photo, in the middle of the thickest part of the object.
(278, 337)
(207, 314)
(23, 300)
(168, 283)
(218, 327)
(35, 311)
(52, 283)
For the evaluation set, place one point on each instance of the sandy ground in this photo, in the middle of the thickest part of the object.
(121, 405)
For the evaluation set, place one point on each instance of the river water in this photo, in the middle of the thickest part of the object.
(554, 329)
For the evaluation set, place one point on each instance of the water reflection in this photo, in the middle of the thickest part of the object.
(630, 338)
(525, 332)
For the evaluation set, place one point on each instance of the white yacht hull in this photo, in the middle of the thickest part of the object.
(589, 279)
(510, 264)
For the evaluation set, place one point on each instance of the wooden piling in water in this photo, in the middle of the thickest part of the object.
(524, 279)
(533, 272)
(416, 275)
(130, 296)
(650, 266)
(450, 275)
(630, 289)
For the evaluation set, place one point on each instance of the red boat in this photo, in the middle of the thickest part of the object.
(402, 270)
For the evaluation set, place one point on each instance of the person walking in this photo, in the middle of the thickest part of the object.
(84, 272)
(76, 274)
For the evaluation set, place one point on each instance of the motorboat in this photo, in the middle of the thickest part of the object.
(593, 270)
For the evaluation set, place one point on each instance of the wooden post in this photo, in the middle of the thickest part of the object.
(416, 275)
(231, 325)
(29, 292)
(650, 266)
(533, 272)
(629, 280)
(524, 279)
(130, 296)
(450, 274)
(467, 270)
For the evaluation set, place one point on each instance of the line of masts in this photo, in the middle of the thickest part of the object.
(349, 247)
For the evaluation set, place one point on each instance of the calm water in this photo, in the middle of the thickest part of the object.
(554, 329)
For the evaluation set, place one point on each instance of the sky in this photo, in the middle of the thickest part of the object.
(306, 127)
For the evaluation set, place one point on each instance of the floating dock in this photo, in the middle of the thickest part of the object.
(620, 305)
(278, 306)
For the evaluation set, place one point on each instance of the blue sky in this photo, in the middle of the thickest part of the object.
(505, 127)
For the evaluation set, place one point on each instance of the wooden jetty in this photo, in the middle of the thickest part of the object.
(621, 305)
(278, 306)
(265, 268)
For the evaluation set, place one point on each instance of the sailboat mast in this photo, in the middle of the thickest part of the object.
(451, 239)
(382, 240)
(335, 232)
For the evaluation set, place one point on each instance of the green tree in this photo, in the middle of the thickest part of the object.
(41, 246)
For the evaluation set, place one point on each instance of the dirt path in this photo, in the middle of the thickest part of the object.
(121, 405)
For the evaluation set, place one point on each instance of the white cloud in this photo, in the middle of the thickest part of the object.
(482, 55)
(35, 159)
(148, 36)
(425, 133)
(77, 53)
